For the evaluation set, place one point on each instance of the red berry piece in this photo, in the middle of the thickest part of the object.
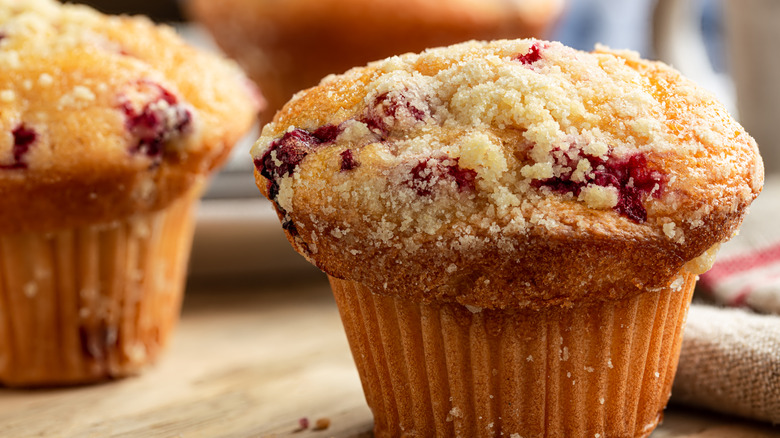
(631, 176)
(348, 161)
(154, 117)
(464, 178)
(389, 109)
(605, 179)
(562, 184)
(534, 54)
(286, 153)
(630, 204)
(24, 137)
(427, 173)
(327, 133)
(284, 156)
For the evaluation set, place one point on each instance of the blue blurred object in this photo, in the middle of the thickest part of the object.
(619, 24)
(712, 27)
(627, 24)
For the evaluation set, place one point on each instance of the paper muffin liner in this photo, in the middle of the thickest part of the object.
(595, 370)
(95, 302)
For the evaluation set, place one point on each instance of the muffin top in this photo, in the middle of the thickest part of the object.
(508, 173)
(102, 117)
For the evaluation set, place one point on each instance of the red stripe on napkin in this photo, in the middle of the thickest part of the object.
(725, 268)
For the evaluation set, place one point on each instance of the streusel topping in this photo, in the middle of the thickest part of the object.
(93, 104)
(504, 150)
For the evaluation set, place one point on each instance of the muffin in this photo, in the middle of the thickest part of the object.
(109, 128)
(512, 230)
(287, 46)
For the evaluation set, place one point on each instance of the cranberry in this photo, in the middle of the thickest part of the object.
(641, 176)
(561, 185)
(288, 225)
(291, 149)
(428, 172)
(288, 151)
(642, 180)
(348, 161)
(24, 137)
(285, 154)
(327, 133)
(630, 204)
(273, 189)
(631, 176)
(605, 179)
(534, 54)
(158, 121)
(464, 178)
(394, 106)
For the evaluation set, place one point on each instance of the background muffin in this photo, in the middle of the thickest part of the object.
(111, 126)
(287, 46)
(512, 229)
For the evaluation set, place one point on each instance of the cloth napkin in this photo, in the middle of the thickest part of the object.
(730, 362)
(747, 270)
(730, 358)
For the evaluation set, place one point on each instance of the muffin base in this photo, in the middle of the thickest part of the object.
(602, 369)
(92, 303)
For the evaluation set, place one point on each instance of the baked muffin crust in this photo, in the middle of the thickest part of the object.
(102, 117)
(510, 172)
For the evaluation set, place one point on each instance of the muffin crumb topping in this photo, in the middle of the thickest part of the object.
(506, 154)
(105, 116)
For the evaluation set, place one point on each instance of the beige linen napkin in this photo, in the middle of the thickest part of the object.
(747, 271)
(730, 358)
(730, 362)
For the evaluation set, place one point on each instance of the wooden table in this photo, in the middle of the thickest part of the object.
(251, 358)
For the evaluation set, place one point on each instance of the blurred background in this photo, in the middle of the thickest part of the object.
(238, 233)
(616, 23)
(625, 24)
(646, 26)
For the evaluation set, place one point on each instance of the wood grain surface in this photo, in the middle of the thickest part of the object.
(250, 359)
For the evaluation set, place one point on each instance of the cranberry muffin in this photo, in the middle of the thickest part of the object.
(109, 128)
(287, 46)
(512, 230)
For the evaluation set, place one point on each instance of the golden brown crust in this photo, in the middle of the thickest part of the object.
(121, 116)
(483, 175)
(291, 45)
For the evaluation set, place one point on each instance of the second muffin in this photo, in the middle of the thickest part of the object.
(110, 127)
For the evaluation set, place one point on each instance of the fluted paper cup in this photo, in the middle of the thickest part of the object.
(601, 369)
(92, 303)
